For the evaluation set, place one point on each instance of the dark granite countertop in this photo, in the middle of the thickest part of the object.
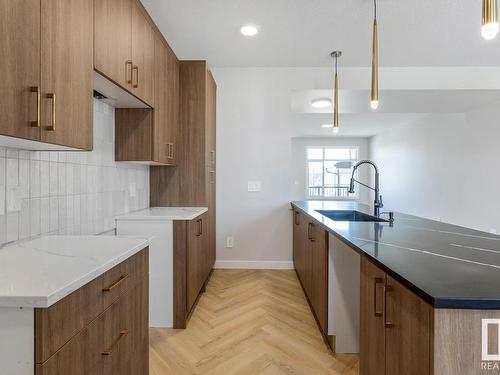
(447, 265)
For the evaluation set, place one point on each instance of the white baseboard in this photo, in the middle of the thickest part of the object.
(254, 264)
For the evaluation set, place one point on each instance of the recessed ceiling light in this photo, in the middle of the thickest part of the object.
(327, 126)
(249, 30)
(321, 103)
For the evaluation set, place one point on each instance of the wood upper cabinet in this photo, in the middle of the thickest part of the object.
(124, 46)
(67, 78)
(143, 55)
(166, 110)
(113, 40)
(395, 326)
(20, 68)
(47, 67)
(151, 135)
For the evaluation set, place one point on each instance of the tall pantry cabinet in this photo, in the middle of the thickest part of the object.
(192, 182)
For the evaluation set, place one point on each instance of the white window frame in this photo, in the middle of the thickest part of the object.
(354, 197)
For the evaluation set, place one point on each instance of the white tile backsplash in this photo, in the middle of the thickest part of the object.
(53, 192)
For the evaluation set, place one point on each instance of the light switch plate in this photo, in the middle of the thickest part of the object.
(254, 186)
(229, 242)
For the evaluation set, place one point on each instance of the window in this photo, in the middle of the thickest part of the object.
(329, 171)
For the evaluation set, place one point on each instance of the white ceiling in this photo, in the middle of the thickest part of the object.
(304, 32)
(351, 125)
(398, 101)
(398, 108)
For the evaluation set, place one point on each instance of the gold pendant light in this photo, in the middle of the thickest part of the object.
(489, 30)
(336, 55)
(374, 93)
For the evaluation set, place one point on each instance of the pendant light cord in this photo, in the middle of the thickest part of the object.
(375, 9)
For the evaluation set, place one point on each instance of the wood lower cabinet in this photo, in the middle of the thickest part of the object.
(319, 275)
(372, 343)
(396, 326)
(192, 265)
(197, 270)
(310, 257)
(47, 66)
(100, 329)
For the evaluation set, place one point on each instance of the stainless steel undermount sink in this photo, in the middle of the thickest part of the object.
(350, 215)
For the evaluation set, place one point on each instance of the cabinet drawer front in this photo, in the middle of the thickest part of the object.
(123, 277)
(103, 347)
(57, 324)
(80, 356)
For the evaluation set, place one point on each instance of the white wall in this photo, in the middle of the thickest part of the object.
(255, 126)
(69, 192)
(444, 166)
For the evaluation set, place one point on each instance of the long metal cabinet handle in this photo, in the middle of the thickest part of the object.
(296, 216)
(115, 284)
(387, 289)
(309, 232)
(136, 84)
(128, 64)
(377, 281)
(52, 97)
(109, 351)
(36, 89)
(200, 227)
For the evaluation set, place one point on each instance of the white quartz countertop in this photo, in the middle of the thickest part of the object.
(164, 213)
(40, 272)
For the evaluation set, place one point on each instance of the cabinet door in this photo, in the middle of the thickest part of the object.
(319, 275)
(372, 329)
(166, 103)
(194, 262)
(300, 245)
(408, 331)
(67, 72)
(113, 40)
(20, 68)
(143, 55)
(173, 88)
(117, 340)
(137, 315)
(210, 155)
(307, 279)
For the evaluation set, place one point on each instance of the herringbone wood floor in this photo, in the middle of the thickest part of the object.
(248, 322)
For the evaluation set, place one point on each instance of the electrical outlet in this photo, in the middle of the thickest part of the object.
(229, 242)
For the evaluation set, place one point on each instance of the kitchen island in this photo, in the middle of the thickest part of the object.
(417, 280)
